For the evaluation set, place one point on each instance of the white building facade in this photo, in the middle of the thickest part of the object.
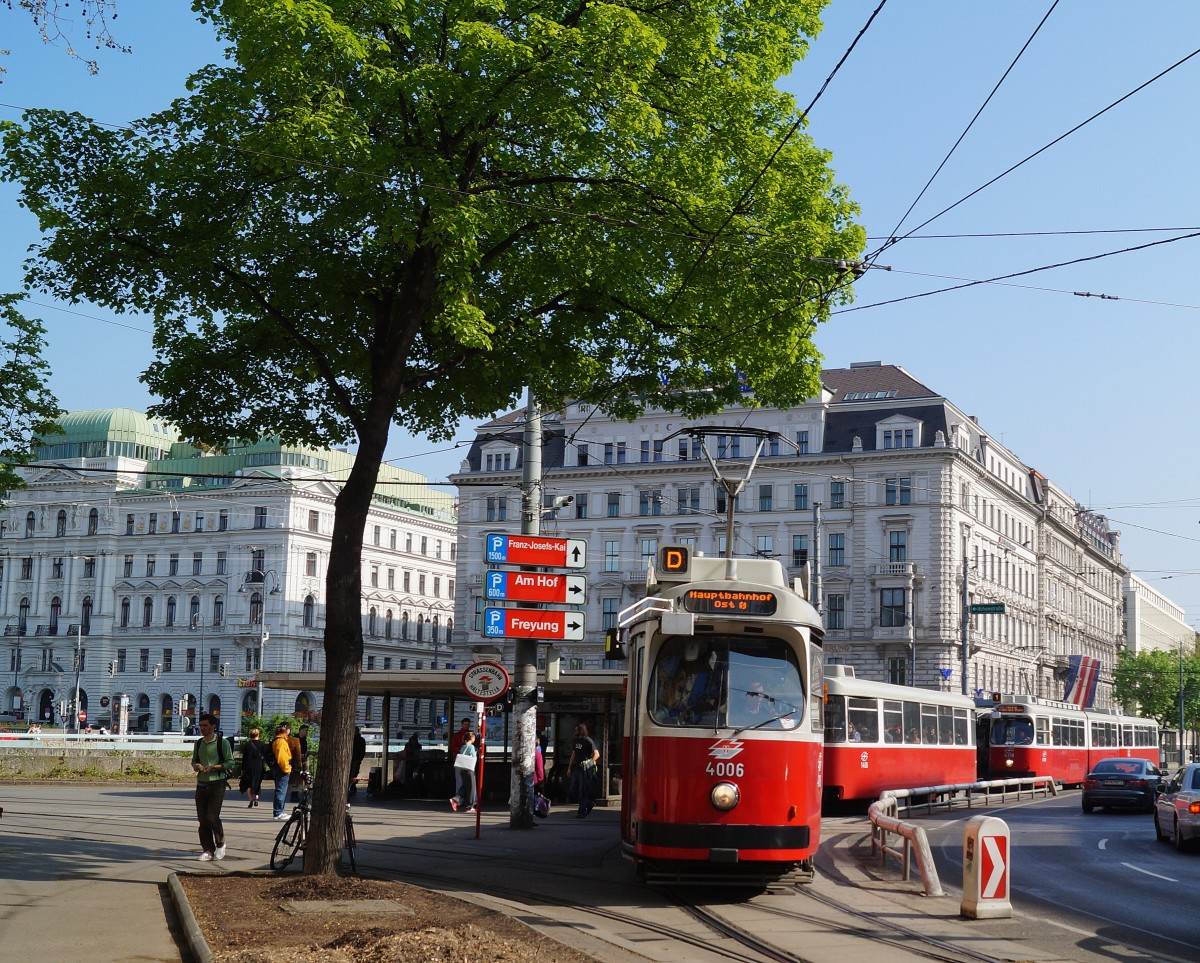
(883, 486)
(1153, 622)
(137, 569)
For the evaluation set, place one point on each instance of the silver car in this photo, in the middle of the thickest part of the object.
(1177, 807)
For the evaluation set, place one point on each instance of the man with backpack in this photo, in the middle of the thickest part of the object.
(212, 762)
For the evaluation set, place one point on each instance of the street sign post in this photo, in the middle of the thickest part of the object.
(987, 608)
(533, 624)
(536, 587)
(534, 550)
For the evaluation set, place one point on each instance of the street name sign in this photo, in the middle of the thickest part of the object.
(987, 608)
(533, 624)
(536, 587)
(534, 550)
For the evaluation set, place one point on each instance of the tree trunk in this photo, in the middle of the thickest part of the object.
(343, 652)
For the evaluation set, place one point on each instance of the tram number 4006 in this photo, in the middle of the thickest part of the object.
(726, 769)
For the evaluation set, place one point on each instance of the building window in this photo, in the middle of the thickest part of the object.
(27, 567)
(613, 509)
(218, 611)
(377, 536)
(581, 505)
(60, 525)
(799, 549)
(197, 563)
(421, 584)
(898, 491)
(835, 611)
(89, 566)
(194, 611)
(897, 546)
(837, 494)
(93, 521)
(608, 453)
(189, 660)
(765, 546)
(612, 555)
(310, 612)
(689, 501)
(256, 608)
(837, 549)
(223, 520)
(765, 497)
(56, 568)
(199, 526)
(175, 520)
(128, 525)
(314, 521)
(168, 659)
(149, 565)
(392, 539)
(581, 455)
(124, 617)
(891, 607)
(152, 528)
(497, 509)
(898, 670)
(424, 545)
(173, 563)
(143, 660)
(222, 563)
(374, 576)
(649, 550)
(800, 497)
(371, 615)
(437, 586)
(898, 438)
(644, 451)
(310, 564)
(802, 442)
(121, 658)
(260, 516)
(608, 613)
(387, 624)
(407, 580)
(55, 612)
(773, 447)
(170, 610)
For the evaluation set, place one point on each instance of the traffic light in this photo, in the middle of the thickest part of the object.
(224, 669)
(614, 644)
(112, 669)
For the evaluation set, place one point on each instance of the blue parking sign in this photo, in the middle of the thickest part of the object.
(496, 587)
(497, 548)
(493, 622)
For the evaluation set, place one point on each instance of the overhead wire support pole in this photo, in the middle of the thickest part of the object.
(524, 684)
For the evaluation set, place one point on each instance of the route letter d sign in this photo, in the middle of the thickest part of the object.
(986, 869)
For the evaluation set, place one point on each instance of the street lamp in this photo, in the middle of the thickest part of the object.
(78, 650)
(197, 622)
(257, 579)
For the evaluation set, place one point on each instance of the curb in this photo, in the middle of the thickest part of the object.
(197, 944)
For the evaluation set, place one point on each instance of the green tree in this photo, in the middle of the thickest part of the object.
(389, 211)
(27, 403)
(1149, 684)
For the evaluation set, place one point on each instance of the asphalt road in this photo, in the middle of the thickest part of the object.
(1103, 873)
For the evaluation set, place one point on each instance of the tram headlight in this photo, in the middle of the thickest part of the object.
(724, 796)
(1008, 763)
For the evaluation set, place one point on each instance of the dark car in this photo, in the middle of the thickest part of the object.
(1121, 782)
(1177, 809)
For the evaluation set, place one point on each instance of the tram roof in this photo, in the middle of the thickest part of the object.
(447, 683)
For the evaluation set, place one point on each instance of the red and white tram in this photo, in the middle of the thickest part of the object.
(723, 723)
(880, 736)
(1028, 736)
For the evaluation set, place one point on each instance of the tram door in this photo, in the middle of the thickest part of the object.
(983, 734)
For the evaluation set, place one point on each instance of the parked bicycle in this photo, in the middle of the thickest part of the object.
(291, 839)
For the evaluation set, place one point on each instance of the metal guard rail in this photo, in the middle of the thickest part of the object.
(884, 815)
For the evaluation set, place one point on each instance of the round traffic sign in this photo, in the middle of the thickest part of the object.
(485, 681)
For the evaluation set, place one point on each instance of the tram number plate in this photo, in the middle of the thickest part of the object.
(726, 769)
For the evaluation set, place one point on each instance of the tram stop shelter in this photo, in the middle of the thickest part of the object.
(596, 696)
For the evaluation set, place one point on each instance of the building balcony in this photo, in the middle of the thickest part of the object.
(895, 569)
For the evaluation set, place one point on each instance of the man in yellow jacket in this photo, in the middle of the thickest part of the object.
(283, 768)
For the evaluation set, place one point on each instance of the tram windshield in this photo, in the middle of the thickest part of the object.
(726, 681)
(1012, 732)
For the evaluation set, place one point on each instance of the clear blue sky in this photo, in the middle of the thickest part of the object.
(1092, 392)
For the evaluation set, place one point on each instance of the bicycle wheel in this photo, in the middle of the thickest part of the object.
(288, 843)
(351, 843)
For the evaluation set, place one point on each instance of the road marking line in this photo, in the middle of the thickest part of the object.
(1148, 873)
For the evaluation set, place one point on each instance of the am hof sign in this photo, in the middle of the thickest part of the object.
(485, 681)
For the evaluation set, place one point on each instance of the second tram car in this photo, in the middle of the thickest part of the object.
(723, 723)
(1027, 736)
(880, 736)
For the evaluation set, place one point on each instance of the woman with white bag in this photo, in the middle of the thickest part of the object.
(464, 775)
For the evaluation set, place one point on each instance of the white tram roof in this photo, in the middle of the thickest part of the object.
(841, 680)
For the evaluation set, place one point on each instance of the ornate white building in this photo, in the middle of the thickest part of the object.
(885, 486)
(137, 567)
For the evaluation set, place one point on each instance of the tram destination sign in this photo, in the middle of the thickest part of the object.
(729, 601)
(987, 608)
(533, 624)
(534, 550)
(536, 587)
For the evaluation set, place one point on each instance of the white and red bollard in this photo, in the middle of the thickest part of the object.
(987, 869)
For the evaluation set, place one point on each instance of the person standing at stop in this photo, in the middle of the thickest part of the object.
(210, 756)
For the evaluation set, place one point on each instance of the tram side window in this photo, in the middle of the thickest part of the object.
(945, 725)
(835, 719)
(912, 722)
(1104, 734)
(893, 721)
(1127, 734)
(816, 688)
(1043, 730)
(864, 719)
(929, 725)
(962, 728)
